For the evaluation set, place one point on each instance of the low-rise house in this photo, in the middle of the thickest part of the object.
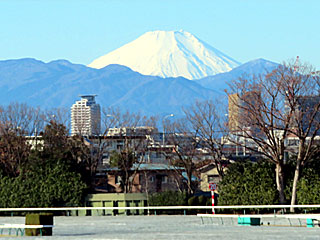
(208, 174)
(147, 178)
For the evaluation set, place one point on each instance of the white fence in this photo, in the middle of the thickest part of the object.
(160, 208)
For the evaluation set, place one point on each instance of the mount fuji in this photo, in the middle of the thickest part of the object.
(169, 54)
(157, 74)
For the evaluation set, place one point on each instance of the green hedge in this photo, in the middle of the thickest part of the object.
(168, 198)
(48, 186)
(308, 190)
(248, 183)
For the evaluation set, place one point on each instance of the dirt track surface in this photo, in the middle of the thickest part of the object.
(166, 227)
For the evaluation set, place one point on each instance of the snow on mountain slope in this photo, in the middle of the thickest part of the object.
(169, 54)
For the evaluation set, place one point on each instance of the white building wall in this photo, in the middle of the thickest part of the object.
(85, 116)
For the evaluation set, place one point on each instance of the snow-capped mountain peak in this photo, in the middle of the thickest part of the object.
(169, 54)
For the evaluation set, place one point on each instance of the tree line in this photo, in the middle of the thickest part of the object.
(267, 113)
(51, 172)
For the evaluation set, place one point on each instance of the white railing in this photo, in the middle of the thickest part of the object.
(159, 208)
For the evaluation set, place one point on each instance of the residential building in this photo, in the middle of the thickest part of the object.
(85, 116)
(208, 174)
(149, 178)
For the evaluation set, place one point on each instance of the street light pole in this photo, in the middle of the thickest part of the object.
(163, 134)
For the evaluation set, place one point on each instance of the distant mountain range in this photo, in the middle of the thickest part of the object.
(59, 84)
(152, 78)
(169, 54)
(253, 68)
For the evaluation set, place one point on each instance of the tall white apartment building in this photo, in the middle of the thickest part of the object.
(85, 116)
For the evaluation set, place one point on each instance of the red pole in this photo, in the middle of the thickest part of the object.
(212, 197)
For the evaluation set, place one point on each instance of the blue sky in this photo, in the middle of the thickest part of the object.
(80, 31)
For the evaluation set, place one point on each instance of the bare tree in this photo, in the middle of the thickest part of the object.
(301, 89)
(185, 152)
(133, 131)
(59, 115)
(114, 117)
(257, 113)
(17, 121)
(281, 106)
(208, 121)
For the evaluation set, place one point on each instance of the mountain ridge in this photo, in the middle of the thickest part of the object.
(257, 67)
(59, 83)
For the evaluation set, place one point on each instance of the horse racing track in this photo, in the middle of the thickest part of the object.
(164, 227)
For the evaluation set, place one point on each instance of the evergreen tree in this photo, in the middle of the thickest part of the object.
(248, 183)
